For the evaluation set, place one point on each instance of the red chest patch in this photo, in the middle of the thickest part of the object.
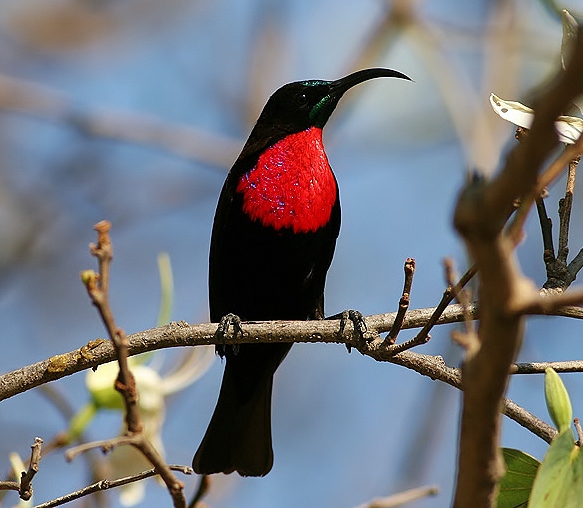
(292, 185)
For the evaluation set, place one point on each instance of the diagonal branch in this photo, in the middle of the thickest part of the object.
(39, 101)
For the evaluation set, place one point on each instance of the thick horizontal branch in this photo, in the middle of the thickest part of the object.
(180, 334)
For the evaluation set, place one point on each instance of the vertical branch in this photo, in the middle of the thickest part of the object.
(27, 476)
(565, 206)
(97, 286)
(24, 487)
(489, 355)
(403, 302)
(546, 226)
(98, 289)
(480, 215)
(463, 298)
(559, 274)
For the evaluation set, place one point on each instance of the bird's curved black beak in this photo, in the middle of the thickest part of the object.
(334, 90)
(338, 87)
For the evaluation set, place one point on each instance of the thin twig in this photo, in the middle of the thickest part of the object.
(435, 368)
(110, 484)
(459, 293)
(8, 485)
(566, 158)
(203, 487)
(446, 299)
(468, 339)
(540, 367)
(402, 498)
(26, 477)
(106, 445)
(559, 277)
(574, 267)
(537, 304)
(97, 287)
(448, 296)
(403, 302)
(546, 225)
(24, 487)
(565, 206)
(547, 176)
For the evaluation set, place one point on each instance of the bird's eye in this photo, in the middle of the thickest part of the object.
(301, 100)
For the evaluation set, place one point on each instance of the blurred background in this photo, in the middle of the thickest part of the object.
(133, 111)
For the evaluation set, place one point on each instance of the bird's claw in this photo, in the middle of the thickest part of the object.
(222, 331)
(358, 323)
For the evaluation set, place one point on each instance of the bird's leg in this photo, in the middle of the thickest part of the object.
(223, 331)
(358, 323)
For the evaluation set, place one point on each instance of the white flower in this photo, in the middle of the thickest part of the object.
(153, 388)
(569, 128)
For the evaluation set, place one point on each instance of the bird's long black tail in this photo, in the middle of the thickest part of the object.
(238, 437)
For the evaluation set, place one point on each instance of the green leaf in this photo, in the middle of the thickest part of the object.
(559, 481)
(558, 402)
(80, 421)
(516, 484)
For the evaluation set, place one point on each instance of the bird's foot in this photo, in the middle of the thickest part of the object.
(358, 323)
(223, 331)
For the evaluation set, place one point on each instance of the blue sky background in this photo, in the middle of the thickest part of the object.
(346, 429)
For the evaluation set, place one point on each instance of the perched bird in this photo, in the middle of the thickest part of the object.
(273, 238)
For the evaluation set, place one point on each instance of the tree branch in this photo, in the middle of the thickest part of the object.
(98, 288)
(179, 334)
(26, 477)
(480, 216)
(109, 484)
(24, 487)
(401, 498)
(403, 302)
(559, 274)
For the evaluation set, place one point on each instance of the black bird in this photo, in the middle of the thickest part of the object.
(273, 239)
